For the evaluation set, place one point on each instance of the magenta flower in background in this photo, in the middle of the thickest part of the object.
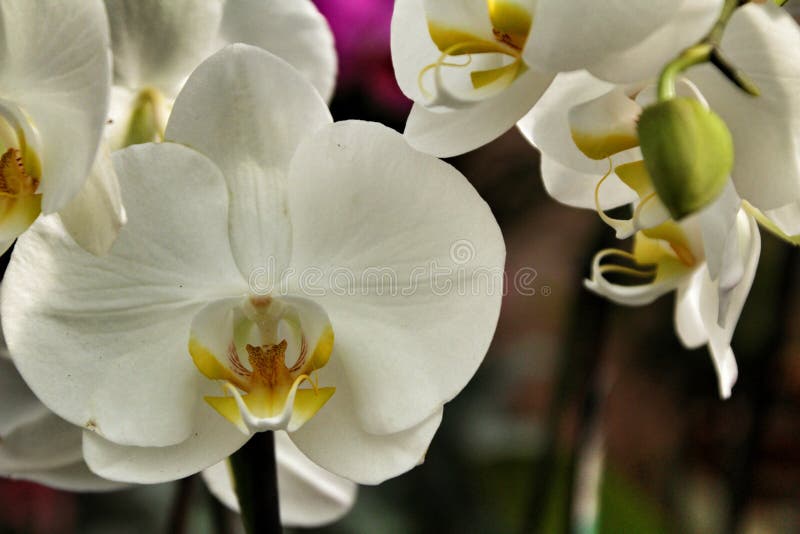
(362, 32)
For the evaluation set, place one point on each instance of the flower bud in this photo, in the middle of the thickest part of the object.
(688, 151)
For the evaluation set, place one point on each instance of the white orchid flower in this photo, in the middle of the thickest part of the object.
(474, 67)
(193, 332)
(55, 78)
(582, 121)
(675, 256)
(38, 445)
(157, 44)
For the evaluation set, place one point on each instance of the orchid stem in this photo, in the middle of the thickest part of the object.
(580, 359)
(255, 477)
(180, 508)
(706, 51)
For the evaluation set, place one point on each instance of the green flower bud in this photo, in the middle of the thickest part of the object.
(688, 151)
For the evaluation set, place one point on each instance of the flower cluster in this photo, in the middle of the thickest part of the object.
(156, 155)
(684, 113)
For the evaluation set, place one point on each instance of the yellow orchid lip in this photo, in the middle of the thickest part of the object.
(658, 254)
(511, 25)
(20, 176)
(263, 392)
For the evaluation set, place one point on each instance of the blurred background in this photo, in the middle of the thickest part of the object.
(585, 416)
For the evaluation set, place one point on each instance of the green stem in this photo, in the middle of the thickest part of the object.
(180, 507)
(255, 478)
(706, 51)
(699, 53)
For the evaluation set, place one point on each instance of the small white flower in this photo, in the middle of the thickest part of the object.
(673, 256)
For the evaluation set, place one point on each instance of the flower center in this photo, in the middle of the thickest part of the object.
(14, 178)
(263, 392)
(498, 61)
(20, 173)
(148, 119)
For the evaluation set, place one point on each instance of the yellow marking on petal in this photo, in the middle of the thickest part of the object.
(506, 74)
(322, 352)
(635, 176)
(307, 403)
(20, 205)
(600, 147)
(511, 22)
(612, 222)
(18, 213)
(766, 223)
(454, 42)
(209, 365)
(672, 233)
(630, 271)
(653, 262)
(227, 408)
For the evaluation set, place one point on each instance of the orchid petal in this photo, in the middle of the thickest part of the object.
(95, 215)
(786, 218)
(721, 238)
(688, 320)
(720, 328)
(37, 445)
(75, 322)
(18, 405)
(31, 437)
(227, 110)
(295, 31)
(452, 19)
(426, 335)
(576, 34)
(605, 125)
(645, 59)
(572, 176)
(635, 295)
(337, 440)
(749, 251)
(157, 44)
(412, 47)
(213, 439)
(451, 133)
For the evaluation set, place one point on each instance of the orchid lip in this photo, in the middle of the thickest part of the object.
(20, 172)
(264, 391)
(510, 28)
